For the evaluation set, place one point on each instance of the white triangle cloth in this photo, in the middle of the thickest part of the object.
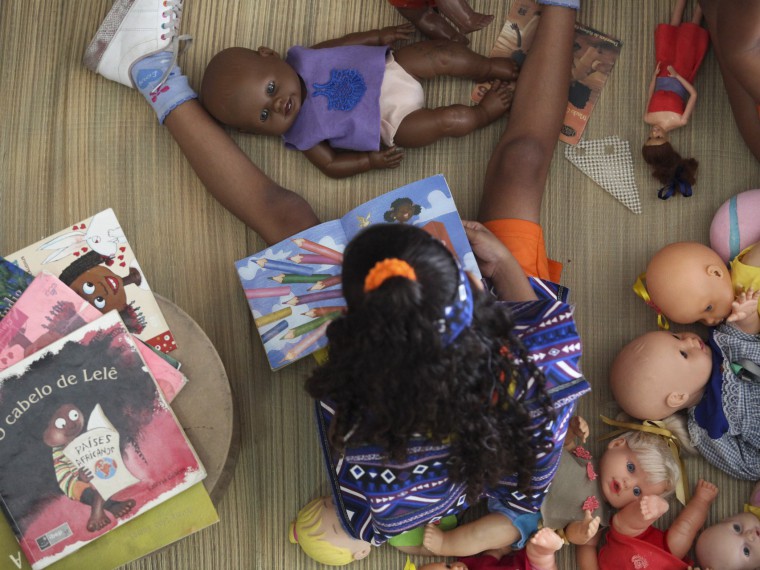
(609, 163)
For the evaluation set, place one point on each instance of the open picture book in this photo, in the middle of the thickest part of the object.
(293, 288)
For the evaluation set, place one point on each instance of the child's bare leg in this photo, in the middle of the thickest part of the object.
(691, 519)
(487, 533)
(465, 18)
(441, 57)
(432, 24)
(426, 126)
(541, 548)
(677, 16)
(517, 172)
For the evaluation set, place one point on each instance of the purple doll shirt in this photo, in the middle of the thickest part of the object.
(342, 103)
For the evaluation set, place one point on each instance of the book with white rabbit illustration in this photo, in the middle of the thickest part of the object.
(293, 288)
(94, 258)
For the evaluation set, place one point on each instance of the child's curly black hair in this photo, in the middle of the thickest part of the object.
(390, 377)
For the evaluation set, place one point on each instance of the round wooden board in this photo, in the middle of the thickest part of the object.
(205, 407)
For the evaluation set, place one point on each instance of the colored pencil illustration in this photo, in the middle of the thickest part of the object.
(305, 343)
(274, 331)
(272, 317)
(312, 259)
(314, 247)
(308, 327)
(312, 297)
(322, 311)
(262, 292)
(290, 278)
(284, 266)
(331, 281)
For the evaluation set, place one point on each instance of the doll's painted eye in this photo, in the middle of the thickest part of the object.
(745, 550)
(737, 527)
(73, 415)
(636, 492)
(683, 353)
(99, 302)
(264, 115)
(270, 87)
(88, 288)
(60, 423)
(709, 308)
(630, 467)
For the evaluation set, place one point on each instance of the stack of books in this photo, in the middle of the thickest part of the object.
(95, 470)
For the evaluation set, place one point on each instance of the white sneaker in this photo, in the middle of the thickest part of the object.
(132, 30)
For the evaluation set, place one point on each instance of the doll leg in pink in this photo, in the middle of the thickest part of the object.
(465, 18)
(432, 24)
(237, 183)
(518, 168)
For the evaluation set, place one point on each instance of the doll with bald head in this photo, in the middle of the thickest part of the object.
(716, 381)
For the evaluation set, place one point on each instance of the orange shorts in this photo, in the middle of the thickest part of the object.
(526, 242)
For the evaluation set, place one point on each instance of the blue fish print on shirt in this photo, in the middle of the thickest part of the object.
(344, 90)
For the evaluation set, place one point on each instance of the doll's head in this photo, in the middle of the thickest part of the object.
(665, 162)
(689, 283)
(732, 544)
(659, 373)
(321, 536)
(657, 136)
(66, 423)
(253, 91)
(637, 464)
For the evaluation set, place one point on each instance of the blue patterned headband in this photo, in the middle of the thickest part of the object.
(458, 315)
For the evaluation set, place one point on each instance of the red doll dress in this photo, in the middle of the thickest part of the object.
(684, 47)
(647, 550)
(517, 560)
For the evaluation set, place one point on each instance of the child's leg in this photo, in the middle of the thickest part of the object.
(465, 18)
(691, 519)
(137, 55)
(492, 531)
(432, 24)
(432, 58)
(426, 126)
(541, 548)
(519, 165)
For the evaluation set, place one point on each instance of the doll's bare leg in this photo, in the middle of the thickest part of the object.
(677, 16)
(465, 18)
(519, 165)
(432, 58)
(426, 126)
(432, 24)
(691, 519)
(237, 183)
(541, 548)
(490, 532)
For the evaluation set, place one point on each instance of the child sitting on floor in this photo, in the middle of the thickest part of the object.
(352, 94)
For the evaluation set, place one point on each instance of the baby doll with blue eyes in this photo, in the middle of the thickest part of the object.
(716, 381)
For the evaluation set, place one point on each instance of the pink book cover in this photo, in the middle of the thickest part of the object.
(87, 442)
(48, 310)
(94, 258)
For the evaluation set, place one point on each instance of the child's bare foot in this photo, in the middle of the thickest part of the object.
(705, 491)
(119, 508)
(463, 16)
(546, 541)
(652, 507)
(433, 539)
(497, 100)
(503, 68)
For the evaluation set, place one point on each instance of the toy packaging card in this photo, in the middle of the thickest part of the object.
(94, 258)
(87, 442)
(293, 288)
(594, 56)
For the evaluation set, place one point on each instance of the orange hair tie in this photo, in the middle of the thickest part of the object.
(385, 269)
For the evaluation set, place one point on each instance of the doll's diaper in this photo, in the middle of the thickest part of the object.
(400, 94)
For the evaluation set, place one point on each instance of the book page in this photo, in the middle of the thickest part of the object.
(293, 290)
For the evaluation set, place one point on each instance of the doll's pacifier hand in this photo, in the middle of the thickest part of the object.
(388, 158)
(392, 34)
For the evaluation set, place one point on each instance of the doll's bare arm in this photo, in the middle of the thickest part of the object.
(498, 264)
(686, 115)
(691, 519)
(347, 163)
(744, 314)
(382, 37)
(636, 517)
(578, 429)
(650, 91)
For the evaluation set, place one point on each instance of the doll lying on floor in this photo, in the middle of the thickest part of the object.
(352, 94)
(659, 373)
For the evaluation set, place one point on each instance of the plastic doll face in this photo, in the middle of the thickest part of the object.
(690, 283)
(334, 533)
(732, 544)
(66, 423)
(102, 288)
(657, 136)
(270, 96)
(623, 480)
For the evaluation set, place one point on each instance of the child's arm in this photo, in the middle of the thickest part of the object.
(636, 517)
(691, 519)
(347, 163)
(692, 94)
(744, 314)
(382, 37)
(487, 533)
